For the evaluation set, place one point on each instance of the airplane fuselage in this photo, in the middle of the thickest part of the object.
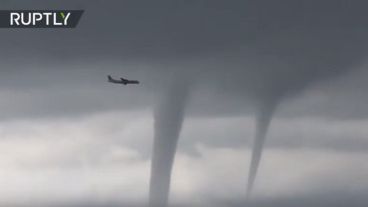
(122, 81)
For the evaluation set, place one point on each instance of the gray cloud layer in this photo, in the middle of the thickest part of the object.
(236, 52)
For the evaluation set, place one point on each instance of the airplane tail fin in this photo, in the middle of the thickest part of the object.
(109, 77)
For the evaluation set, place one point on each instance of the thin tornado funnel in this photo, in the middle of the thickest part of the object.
(263, 120)
(168, 119)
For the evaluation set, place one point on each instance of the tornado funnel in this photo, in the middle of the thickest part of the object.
(263, 119)
(168, 119)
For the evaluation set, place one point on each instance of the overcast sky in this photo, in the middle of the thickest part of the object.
(70, 138)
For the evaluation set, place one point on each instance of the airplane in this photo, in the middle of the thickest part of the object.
(122, 81)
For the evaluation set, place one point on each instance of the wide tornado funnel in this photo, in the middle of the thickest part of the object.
(168, 119)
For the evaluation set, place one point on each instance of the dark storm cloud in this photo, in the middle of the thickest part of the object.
(145, 29)
(233, 50)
